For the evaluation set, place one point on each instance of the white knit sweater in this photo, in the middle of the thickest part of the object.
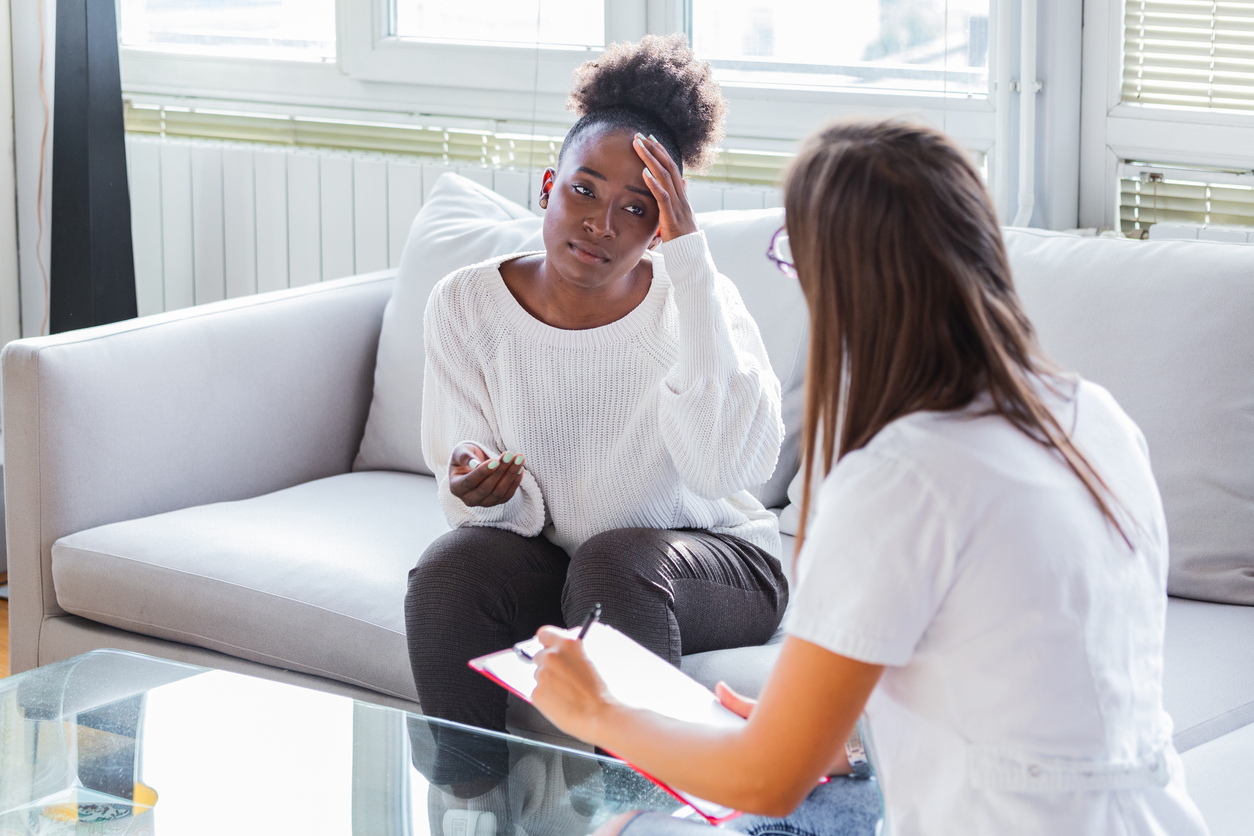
(661, 419)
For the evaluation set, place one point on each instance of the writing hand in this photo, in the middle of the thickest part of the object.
(568, 691)
(669, 188)
(481, 481)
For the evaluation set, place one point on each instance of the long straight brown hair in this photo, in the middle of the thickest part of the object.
(911, 302)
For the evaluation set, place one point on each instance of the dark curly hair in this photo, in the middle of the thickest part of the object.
(654, 86)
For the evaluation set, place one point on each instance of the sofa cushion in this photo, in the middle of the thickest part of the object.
(1208, 669)
(310, 579)
(464, 223)
(460, 223)
(738, 240)
(1220, 775)
(1165, 326)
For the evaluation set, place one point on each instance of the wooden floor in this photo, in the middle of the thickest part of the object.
(4, 632)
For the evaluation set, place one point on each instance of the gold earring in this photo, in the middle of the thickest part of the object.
(544, 200)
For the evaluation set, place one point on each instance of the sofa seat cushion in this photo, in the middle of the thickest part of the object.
(1208, 670)
(745, 669)
(1220, 774)
(311, 578)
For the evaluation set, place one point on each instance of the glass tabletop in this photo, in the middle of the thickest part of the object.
(112, 742)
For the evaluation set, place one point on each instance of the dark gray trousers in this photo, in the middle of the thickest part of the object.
(479, 590)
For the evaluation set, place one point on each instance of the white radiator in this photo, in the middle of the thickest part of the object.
(214, 220)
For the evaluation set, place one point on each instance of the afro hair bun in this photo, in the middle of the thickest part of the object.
(660, 77)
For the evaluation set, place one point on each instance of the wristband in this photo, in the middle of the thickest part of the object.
(856, 753)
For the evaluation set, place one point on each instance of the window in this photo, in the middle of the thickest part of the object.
(502, 68)
(298, 30)
(1167, 129)
(509, 22)
(933, 46)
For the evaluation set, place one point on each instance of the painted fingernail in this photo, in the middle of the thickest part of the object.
(518, 460)
(474, 463)
(493, 465)
(649, 174)
(652, 137)
(639, 136)
(507, 458)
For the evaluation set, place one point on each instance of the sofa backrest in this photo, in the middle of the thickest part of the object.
(1168, 328)
(461, 223)
(738, 241)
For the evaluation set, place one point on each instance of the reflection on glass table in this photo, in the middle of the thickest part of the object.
(119, 743)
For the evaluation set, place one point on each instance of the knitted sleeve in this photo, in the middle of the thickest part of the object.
(720, 403)
(456, 408)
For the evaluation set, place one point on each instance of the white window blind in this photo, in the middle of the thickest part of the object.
(1152, 194)
(462, 145)
(1189, 54)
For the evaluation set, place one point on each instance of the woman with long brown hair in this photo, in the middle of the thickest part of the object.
(984, 573)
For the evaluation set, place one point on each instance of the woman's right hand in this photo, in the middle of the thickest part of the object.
(480, 481)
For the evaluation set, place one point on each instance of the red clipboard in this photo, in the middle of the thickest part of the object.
(637, 677)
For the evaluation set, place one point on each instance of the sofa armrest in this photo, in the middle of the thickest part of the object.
(207, 404)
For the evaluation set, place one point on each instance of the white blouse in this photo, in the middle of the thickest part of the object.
(1022, 637)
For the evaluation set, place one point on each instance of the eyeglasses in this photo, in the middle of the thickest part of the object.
(781, 253)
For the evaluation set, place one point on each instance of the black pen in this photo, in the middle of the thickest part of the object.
(529, 648)
(594, 615)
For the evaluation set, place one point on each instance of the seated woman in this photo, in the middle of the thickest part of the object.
(986, 571)
(602, 407)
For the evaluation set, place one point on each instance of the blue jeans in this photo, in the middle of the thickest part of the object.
(841, 807)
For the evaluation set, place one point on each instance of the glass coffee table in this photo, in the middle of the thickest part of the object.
(118, 743)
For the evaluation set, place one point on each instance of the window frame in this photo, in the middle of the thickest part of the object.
(371, 80)
(1113, 131)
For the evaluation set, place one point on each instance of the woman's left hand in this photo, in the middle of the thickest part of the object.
(669, 188)
(569, 691)
(736, 703)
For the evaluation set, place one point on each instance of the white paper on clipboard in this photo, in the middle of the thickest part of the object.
(636, 677)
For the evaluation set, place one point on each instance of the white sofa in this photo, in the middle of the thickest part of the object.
(181, 485)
